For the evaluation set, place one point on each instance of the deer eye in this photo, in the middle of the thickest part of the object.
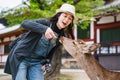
(73, 43)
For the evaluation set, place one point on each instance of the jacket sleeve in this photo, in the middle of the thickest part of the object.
(39, 25)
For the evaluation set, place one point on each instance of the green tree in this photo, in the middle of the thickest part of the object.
(47, 8)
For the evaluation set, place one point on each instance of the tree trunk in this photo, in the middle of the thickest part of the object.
(56, 65)
(81, 52)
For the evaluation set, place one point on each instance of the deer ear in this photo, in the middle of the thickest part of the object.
(73, 43)
(94, 47)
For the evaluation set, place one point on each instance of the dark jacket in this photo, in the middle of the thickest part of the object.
(25, 47)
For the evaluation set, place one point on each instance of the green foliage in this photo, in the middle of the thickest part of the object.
(47, 8)
(34, 4)
(84, 24)
(84, 7)
(18, 17)
(83, 29)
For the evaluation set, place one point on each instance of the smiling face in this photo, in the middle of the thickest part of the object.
(64, 20)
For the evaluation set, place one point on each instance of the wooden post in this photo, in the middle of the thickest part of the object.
(81, 52)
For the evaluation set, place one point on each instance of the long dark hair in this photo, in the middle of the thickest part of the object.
(69, 30)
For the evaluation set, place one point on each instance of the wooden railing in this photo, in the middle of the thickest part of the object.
(110, 48)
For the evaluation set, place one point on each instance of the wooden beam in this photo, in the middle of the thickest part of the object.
(17, 32)
(108, 25)
(9, 35)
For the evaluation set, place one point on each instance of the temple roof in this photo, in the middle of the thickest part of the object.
(9, 29)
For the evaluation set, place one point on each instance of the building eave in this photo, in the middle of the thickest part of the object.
(115, 3)
(9, 29)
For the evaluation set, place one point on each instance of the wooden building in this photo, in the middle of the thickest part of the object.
(106, 32)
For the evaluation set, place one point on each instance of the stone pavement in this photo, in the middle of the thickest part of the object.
(77, 74)
(4, 76)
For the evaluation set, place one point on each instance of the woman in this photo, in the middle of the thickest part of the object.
(29, 55)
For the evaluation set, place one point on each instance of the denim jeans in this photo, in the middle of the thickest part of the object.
(30, 69)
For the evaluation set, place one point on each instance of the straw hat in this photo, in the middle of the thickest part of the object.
(67, 8)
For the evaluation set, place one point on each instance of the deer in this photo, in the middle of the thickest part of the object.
(81, 51)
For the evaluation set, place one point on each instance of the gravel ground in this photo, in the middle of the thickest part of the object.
(75, 74)
(5, 77)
